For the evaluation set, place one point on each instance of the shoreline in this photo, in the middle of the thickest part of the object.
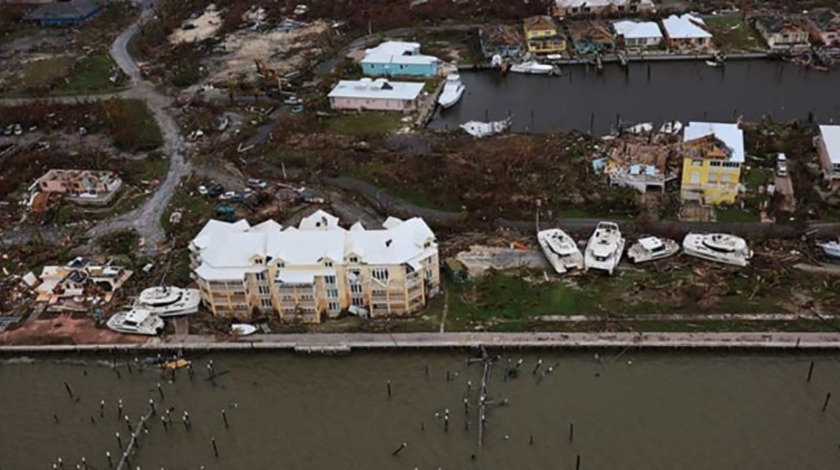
(345, 343)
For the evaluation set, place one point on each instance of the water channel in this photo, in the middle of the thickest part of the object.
(637, 411)
(656, 91)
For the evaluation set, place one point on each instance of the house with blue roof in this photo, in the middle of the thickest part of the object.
(72, 13)
(396, 58)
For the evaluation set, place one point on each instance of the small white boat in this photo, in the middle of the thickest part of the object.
(243, 329)
(831, 249)
(671, 127)
(605, 247)
(718, 247)
(452, 92)
(168, 301)
(483, 129)
(641, 128)
(532, 67)
(560, 249)
(136, 322)
(652, 248)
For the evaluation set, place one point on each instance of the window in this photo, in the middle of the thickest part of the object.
(379, 292)
(380, 274)
(358, 302)
(332, 293)
(328, 263)
(695, 178)
(333, 306)
(330, 280)
(264, 290)
(353, 259)
(697, 163)
(725, 177)
(265, 303)
(355, 288)
(260, 276)
(715, 163)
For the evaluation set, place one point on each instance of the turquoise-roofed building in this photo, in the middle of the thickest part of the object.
(395, 58)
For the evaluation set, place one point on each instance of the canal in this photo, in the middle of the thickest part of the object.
(630, 411)
(654, 91)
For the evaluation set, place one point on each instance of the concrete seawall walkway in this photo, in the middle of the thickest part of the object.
(343, 343)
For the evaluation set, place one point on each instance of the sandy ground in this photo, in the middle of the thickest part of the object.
(64, 329)
(282, 51)
(206, 26)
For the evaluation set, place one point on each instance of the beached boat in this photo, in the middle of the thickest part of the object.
(718, 247)
(243, 329)
(652, 248)
(452, 92)
(605, 247)
(831, 249)
(671, 127)
(532, 67)
(560, 249)
(484, 129)
(136, 322)
(168, 301)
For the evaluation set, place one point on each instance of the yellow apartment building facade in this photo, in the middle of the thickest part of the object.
(713, 154)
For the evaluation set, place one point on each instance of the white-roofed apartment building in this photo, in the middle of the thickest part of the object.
(316, 268)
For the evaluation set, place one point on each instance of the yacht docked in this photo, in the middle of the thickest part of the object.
(651, 249)
(168, 301)
(831, 249)
(719, 247)
(605, 247)
(136, 322)
(243, 329)
(532, 67)
(560, 249)
(452, 92)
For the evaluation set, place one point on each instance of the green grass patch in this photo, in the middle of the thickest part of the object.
(755, 177)
(730, 33)
(92, 75)
(132, 125)
(43, 74)
(365, 124)
(735, 214)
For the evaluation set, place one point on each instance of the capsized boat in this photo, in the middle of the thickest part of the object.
(831, 249)
(243, 329)
(168, 301)
(176, 364)
(532, 67)
(452, 92)
(483, 129)
(718, 247)
(560, 249)
(605, 247)
(652, 248)
(136, 321)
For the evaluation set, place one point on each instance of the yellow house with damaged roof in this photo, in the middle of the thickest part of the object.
(542, 36)
(713, 154)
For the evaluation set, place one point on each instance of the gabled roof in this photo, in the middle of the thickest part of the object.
(319, 220)
(214, 228)
(730, 134)
(637, 29)
(398, 52)
(539, 22)
(830, 136)
(376, 89)
(686, 26)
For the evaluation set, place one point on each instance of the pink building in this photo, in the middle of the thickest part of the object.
(379, 94)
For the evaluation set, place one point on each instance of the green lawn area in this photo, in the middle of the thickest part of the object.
(132, 125)
(64, 75)
(44, 73)
(89, 77)
(365, 124)
(735, 214)
(730, 33)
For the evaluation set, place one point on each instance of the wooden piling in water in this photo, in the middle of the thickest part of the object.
(215, 449)
(224, 419)
(69, 390)
(577, 462)
(810, 371)
(399, 449)
(388, 384)
(825, 404)
(571, 432)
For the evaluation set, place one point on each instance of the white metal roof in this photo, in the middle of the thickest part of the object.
(216, 227)
(830, 136)
(685, 27)
(376, 89)
(637, 29)
(729, 134)
(398, 52)
(596, 3)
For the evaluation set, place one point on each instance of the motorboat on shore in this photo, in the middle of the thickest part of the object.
(831, 249)
(605, 247)
(452, 92)
(560, 250)
(480, 129)
(651, 249)
(243, 329)
(136, 322)
(718, 247)
(532, 67)
(168, 301)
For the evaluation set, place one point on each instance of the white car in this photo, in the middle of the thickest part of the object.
(202, 190)
(228, 195)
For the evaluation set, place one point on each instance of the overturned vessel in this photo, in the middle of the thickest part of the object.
(452, 92)
(560, 249)
(831, 249)
(168, 301)
(480, 129)
(605, 247)
(718, 247)
(651, 249)
(136, 322)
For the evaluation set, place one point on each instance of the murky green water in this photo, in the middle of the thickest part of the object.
(662, 411)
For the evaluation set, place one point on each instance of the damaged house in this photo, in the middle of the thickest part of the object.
(590, 36)
(824, 26)
(564, 8)
(639, 165)
(82, 187)
(686, 33)
(784, 33)
(78, 285)
(500, 40)
(712, 154)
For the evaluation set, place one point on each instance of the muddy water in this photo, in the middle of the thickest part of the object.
(655, 92)
(660, 412)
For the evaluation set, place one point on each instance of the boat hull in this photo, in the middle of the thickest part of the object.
(693, 245)
(180, 302)
(609, 266)
(831, 250)
(152, 328)
(448, 100)
(638, 254)
(560, 264)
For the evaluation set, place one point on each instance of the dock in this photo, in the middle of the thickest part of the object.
(331, 343)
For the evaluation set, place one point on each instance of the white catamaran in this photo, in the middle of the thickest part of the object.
(718, 247)
(560, 249)
(652, 248)
(605, 247)
(136, 322)
(168, 301)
